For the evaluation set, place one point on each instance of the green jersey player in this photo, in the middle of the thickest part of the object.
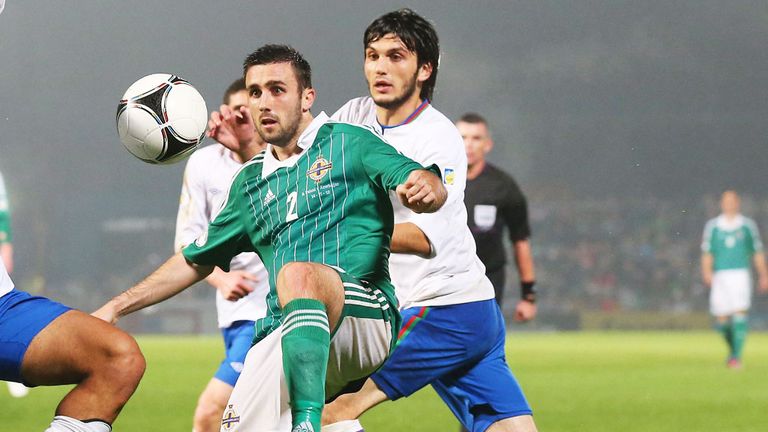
(730, 242)
(315, 207)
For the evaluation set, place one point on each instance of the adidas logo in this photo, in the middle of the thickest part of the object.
(270, 196)
(303, 427)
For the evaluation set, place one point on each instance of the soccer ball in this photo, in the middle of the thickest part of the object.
(161, 119)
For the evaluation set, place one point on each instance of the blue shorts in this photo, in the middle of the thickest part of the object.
(237, 341)
(459, 349)
(22, 317)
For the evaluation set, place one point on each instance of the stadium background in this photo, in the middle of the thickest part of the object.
(622, 121)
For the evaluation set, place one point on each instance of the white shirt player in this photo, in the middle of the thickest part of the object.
(454, 274)
(207, 178)
(6, 284)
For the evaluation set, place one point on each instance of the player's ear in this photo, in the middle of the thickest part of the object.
(425, 71)
(488, 145)
(307, 99)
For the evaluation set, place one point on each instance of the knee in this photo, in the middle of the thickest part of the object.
(295, 278)
(125, 361)
(207, 413)
(297, 272)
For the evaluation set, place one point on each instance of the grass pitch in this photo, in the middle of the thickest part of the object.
(574, 381)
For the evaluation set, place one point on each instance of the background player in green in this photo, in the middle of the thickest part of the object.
(730, 242)
(315, 207)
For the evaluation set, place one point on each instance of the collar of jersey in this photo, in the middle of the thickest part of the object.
(306, 139)
(420, 109)
(730, 225)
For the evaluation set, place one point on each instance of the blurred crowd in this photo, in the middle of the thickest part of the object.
(598, 254)
(629, 253)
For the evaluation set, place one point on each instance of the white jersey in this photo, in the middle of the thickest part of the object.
(207, 178)
(454, 274)
(6, 284)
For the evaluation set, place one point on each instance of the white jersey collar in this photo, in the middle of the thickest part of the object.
(307, 137)
(730, 224)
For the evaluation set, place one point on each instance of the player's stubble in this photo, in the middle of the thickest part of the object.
(398, 100)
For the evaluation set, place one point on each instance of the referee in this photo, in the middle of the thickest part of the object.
(494, 201)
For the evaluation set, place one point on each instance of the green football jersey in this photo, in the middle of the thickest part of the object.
(5, 215)
(731, 244)
(329, 204)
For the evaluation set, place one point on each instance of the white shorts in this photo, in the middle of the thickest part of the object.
(731, 292)
(259, 401)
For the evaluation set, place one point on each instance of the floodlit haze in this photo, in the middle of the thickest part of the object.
(587, 98)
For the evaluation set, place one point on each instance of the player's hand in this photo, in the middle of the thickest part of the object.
(232, 129)
(525, 311)
(422, 192)
(106, 313)
(706, 278)
(235, 284)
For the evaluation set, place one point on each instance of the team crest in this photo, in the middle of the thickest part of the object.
(230, 419)
(448, 176)
(319, 168)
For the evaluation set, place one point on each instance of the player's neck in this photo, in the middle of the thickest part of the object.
(398, 115)
(291, 147)
(474, 170)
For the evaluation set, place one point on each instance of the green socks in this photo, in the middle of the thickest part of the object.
(734, 330)
(306, 340)
(739, 327)
(725, 329)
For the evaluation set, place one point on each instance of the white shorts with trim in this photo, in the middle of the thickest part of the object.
(731, 292)
(259, 401)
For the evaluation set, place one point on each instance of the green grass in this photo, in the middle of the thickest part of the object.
(574, 381)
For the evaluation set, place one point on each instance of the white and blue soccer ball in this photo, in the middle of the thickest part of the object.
(161, 119)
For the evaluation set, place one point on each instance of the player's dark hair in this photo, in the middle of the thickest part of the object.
(236, 86)
(474, 118)
(273, 53)
(417, 34)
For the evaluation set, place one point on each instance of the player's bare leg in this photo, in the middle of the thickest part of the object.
(351, 406)
(312, 298)
(522, 423)
(210, 406)
(104, 362)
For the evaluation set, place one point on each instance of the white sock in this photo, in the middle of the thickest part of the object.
(69, 424)
(344, 426)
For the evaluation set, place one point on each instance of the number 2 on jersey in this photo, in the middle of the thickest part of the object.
(291, 203)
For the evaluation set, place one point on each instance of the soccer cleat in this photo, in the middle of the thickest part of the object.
(734, 363)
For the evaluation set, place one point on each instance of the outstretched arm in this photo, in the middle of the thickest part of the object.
(174, 276)
(422, 192)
